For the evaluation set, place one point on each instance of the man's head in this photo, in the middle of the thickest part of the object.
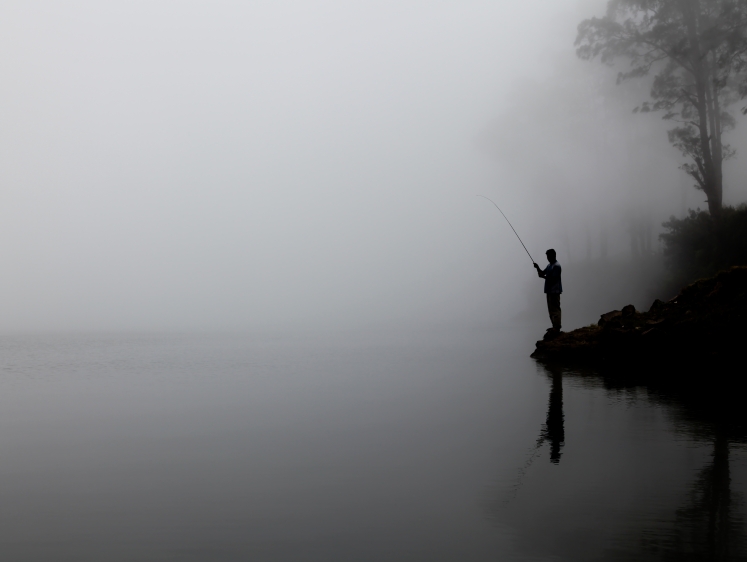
(551, 255)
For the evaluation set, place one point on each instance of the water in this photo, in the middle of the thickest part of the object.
(399, 446)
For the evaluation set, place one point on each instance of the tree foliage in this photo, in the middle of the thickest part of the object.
(699, 245)
(697, 52)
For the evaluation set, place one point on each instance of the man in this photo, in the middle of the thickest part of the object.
(553, 288)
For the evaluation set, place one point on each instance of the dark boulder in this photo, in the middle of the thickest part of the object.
(656, 306)
(604, 318)
(628, 310)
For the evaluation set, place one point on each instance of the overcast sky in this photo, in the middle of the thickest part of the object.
(182, 165)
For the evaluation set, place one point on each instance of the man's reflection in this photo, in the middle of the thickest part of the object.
(553, 430)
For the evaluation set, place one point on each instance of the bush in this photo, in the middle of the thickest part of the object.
(699, 245)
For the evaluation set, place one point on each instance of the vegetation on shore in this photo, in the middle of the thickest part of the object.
(699, 245)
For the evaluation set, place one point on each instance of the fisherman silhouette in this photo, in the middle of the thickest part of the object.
(553, 289)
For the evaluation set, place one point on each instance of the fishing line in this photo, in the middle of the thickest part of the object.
(522, 472)
(509, 224)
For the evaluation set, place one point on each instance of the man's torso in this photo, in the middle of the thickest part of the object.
(553, 283)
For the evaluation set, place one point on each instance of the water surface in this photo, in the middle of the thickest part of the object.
(418, 445)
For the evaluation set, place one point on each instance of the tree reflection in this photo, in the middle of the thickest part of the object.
(707, 523)
(706, 527)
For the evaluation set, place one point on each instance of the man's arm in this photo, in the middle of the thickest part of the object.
(539, 271)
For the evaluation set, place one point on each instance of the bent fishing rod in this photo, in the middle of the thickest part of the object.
(509, 224)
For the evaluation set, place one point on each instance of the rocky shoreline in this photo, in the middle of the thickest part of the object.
(706, 321)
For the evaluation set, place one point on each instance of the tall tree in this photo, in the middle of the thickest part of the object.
(697, 52)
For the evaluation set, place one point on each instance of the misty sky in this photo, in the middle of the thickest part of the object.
(182, 165)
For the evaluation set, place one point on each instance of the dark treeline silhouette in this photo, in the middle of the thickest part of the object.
(700, 245)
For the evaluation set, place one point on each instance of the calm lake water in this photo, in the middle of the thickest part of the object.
(357, 447)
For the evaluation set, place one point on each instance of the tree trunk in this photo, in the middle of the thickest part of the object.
(718, 148)
(712, 186)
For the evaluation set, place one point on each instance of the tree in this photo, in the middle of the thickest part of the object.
(697, 51)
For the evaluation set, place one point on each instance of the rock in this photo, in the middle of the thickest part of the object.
(628, 310)
(551, 334)
(604, 318)
(656, 306)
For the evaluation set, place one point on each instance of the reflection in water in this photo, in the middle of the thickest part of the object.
(553, 430)
(706, 527)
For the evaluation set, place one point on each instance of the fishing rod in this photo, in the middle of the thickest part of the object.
(509, 224)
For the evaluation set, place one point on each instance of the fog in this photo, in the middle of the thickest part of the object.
(232, 165)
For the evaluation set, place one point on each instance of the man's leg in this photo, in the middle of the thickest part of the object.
(553, 307)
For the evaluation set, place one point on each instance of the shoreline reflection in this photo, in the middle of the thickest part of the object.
(661, 478)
